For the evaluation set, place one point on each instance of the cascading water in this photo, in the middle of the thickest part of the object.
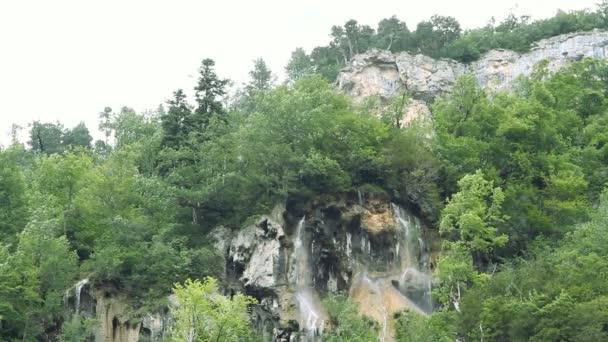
(77, 294)
(312, 315)
(403, 283)
(79, 287)
(415, 281)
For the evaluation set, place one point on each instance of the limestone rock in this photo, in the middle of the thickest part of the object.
(384, 74)
(425, 77)
(257, 248)
(114, 323)
(498, 69)
(372, 73)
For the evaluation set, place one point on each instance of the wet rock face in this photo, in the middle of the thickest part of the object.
(386, 75)
(291, 258)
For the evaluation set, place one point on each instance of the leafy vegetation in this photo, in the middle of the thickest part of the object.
(349, 325)
(205, 315)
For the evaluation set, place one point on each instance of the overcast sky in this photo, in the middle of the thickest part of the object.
(67, 60)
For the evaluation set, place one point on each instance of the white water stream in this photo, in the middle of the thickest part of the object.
(312, 315)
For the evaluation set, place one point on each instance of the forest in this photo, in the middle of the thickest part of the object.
(514, 183)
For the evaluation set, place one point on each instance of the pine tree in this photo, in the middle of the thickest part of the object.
(261, 76)
(177, 122)
(209, 93)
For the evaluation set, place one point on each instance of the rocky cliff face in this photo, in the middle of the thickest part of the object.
(385, 74)
(374, 250)
(113, 316)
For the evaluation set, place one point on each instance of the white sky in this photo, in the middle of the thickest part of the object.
(66, 60)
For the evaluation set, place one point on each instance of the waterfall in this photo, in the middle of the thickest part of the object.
(312, 315)
(415, 281)
(77, 294)
(349, 246)
(79, 287)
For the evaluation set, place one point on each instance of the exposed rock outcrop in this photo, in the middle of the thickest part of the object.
(114, 322)
(386, 74)
(498, 69)
(359, 247)
(113, 314)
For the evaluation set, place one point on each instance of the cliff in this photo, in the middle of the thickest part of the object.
(386, 74)
(372, 249)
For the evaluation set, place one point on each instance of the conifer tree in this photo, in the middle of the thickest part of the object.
(209, 93)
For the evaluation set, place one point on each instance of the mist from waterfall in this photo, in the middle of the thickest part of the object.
(312, 315)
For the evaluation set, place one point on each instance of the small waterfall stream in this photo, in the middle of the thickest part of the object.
(312, 315)
(404, 283)
(77, 294)
(79, 287)
(415, 281)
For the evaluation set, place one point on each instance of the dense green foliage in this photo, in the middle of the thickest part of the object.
(205, 315)
(439, 37)
(439, 327)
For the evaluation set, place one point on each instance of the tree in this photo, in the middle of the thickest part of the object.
(46, 137)
(414, 327)
(393, 35)
(78, 136)
(15, 129)
(299, 65)
(347, 322)
(104, 124)
(260, 79)
(412, 169)
(470, 218)
(209, 93)
(178, 122)
(261, 76)
(56, 181)
(33, 280)
(13, 203)
(352, 38)
(204, 315)
(327, 61)
(434, 35)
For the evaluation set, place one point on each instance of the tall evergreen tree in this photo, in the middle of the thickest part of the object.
(177, 122)
(209, 93)
(261, 76)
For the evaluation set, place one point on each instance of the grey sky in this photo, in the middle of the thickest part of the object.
(66, 60)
